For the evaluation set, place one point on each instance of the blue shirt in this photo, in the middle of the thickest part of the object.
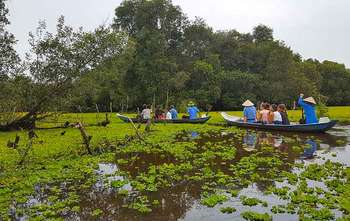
(173, 113)
(250, 113)
(192, 111)
(309, 111)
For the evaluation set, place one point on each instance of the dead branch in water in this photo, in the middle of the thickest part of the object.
(85, 136)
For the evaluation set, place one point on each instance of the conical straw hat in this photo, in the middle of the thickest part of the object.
(247, 103)
(310, 100)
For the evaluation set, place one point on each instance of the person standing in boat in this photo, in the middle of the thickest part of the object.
(249, 112)
(308, 104)
(192, 110)
(173, 112)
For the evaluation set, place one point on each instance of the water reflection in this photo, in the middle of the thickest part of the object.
(285, 142)
(310, 149)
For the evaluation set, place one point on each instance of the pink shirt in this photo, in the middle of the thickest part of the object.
(265, 116)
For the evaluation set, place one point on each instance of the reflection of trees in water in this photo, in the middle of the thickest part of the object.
(174, 203)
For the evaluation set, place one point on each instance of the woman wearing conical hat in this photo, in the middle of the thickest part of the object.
(249, 112)
(308, 104)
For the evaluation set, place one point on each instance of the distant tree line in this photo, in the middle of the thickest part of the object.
(153, 53)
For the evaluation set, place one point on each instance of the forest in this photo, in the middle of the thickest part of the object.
(152, 53)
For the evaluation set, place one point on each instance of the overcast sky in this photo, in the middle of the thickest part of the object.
(314, 28)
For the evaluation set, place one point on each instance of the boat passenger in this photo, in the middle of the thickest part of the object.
(283, 111)
(277, 117)
(265, 115)
(192, 111)
(158, 113)
(308, 104)
(146, 113)
(173, 112)
(249, 112)
(168, 115)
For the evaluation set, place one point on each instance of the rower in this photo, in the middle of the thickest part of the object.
(192, 110)
(308, 104)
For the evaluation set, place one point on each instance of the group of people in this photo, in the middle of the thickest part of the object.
(268, 114)
(277, 114)
(169, 113)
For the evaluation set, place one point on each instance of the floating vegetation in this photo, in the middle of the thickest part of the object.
(214, 199)
(172, 171)
(254, 216)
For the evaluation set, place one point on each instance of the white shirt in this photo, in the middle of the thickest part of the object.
(146, 114)
(277, 116)
(168, 116)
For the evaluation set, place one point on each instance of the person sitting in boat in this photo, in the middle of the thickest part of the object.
(173, 112)
(265, 114)
(158, 113)
(277, 117)
(249, 112)
(308, 104)
(192, 111)
(168, 115)
(283, 111)
(146, 112)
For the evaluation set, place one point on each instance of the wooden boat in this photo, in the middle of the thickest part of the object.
(305, 128)
(175, 121)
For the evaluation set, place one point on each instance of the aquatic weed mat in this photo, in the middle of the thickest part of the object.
(190, 172)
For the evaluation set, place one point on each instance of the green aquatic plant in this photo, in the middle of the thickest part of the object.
(254, 216)
(214, 199)
(228, 210)
(118, 183)
(97, 212)
(246, 201)
(141, 204)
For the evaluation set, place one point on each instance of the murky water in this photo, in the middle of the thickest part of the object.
(182, 201)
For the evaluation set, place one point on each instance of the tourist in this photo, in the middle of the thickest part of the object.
(173, 112)
(308, 104)
(192, 110)
(146, 112)
(249, 112)
(168, 115)
(277, 117)
(265, 115)
(283, 111)
(158, 113)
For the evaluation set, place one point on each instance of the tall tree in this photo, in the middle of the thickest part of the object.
(156, 26)
(9, 59)
(262, 33)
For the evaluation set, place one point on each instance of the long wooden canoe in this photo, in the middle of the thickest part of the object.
(305, 128)
(175, 121)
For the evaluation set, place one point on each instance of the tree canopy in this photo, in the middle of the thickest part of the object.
(153, 53)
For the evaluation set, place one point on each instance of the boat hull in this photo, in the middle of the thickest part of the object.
(303, 128)
(176, 121)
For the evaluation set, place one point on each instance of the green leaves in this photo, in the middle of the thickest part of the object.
(254, 216)
(213, 200)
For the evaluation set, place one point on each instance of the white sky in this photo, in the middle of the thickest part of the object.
(314, 28)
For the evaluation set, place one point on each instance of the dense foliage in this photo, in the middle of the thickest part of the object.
(152, 53)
